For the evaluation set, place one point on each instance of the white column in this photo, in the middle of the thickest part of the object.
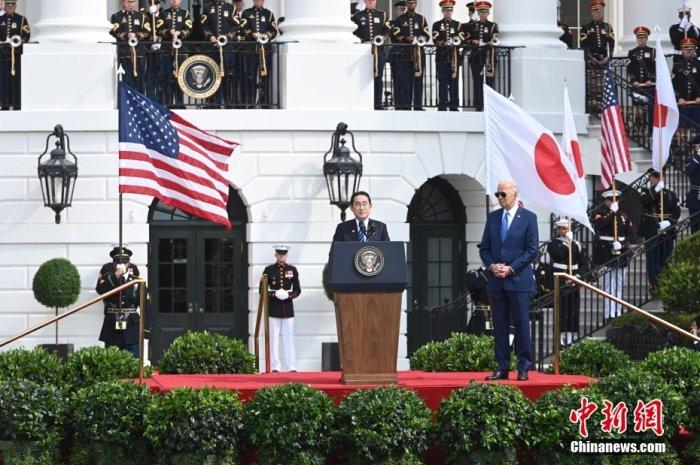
(528, 24)
(318, 21)
(72, 21)
(646, 13)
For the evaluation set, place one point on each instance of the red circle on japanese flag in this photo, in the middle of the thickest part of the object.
(550, 168)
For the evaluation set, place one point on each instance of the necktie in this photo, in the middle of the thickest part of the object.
(362, 235)
(504, 227)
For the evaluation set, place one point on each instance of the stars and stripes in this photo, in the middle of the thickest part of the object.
(164, 156)
(615, 153)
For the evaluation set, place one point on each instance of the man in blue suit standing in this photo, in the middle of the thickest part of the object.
(361, 228)
(507, 249)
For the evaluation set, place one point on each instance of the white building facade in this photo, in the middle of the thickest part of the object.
(412, 161)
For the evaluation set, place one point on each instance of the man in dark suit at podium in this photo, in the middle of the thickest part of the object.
(507, 249)
(361, 228)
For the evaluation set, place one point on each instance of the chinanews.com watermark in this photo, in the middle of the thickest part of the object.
(648, 416)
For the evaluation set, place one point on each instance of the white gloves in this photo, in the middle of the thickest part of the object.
(659, 186)
(570, 235)
(155, 47)
(617, 245)
(281, 294)
(121, 269)
(614, 207)
(152, 9)
(664, 224)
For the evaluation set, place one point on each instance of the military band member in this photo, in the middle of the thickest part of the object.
(686, 81)
(283, 287)
(409, 29)
(448, 57)
(473, 15)
(176, 24)
(641, 72)
(120, 327)
(598, 43)
(11, 25)
(692, 198)
(482, 35)
(655, 225)
(570, 305)
(259, 23)
(219, 22)
(372, 23)
(153, 66)
(127, 25)
(683, 29)
(399, 8)
(607, 221)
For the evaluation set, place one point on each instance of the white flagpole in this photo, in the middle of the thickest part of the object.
(487, 145)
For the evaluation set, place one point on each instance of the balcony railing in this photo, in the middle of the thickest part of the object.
(465, 63)
(250, 80)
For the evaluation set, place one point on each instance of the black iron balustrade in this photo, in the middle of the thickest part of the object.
(466, 54)
(246, 84)
(635, 289)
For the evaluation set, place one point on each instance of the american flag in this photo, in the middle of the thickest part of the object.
(615, 151)
(164, 156)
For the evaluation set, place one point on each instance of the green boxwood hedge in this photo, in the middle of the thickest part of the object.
(91, 365)
(206, 353)
(386, 425)
(482, 421)
(461, 352)
(196, 426)
(38, 365)
(291, 424)
(592, 358)
(679, 366)
(31, 412)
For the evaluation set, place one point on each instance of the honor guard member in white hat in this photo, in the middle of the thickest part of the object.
(176, 25)
(570, 306)
(120, 327)
(371, 24)
(608, 247)
(260, 26)
(14, 31)
(129, 24)
(483, 35)
(448, 59)
(683, 29)
(410, 29)
(283, 287)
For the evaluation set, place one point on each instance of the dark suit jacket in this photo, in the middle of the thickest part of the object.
(347, 231)
(517, 251)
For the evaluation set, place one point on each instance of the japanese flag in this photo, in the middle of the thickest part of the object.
(573, 150)
(665, 110)
(520, 148)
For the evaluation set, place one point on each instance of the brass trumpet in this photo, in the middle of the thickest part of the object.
(418, 43)
(14, 41)
(133, 43)
(263, 39)
(377, 42)
(456, 41)
(221, 42)
(177, 45)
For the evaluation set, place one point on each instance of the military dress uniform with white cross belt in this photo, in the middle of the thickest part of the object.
(410, 60)
(11, 25)
(176, 23)
(283, 287)
(448, 58)
(132, 59)
(372, 24)
(258, 60)
(219, 19)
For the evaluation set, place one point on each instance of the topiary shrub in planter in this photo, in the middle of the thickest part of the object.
(632, 384)
(551, 430)
(189, 426)
(35, 365)
(679, 366)
(483, 423)
(107, 422)
(461, 352)
(92, 365)
(383, 426)
(31, 419)
(206, 353)
(290, 424)
(592, 358)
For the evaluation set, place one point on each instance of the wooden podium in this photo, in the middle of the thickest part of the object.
(368, 308)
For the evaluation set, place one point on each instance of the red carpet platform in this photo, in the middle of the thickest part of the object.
(433, 387)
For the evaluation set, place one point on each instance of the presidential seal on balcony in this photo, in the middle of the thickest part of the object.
(369, 261)
(199, 77)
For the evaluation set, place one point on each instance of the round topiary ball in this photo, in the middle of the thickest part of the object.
(56, 283)
(593, 358)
